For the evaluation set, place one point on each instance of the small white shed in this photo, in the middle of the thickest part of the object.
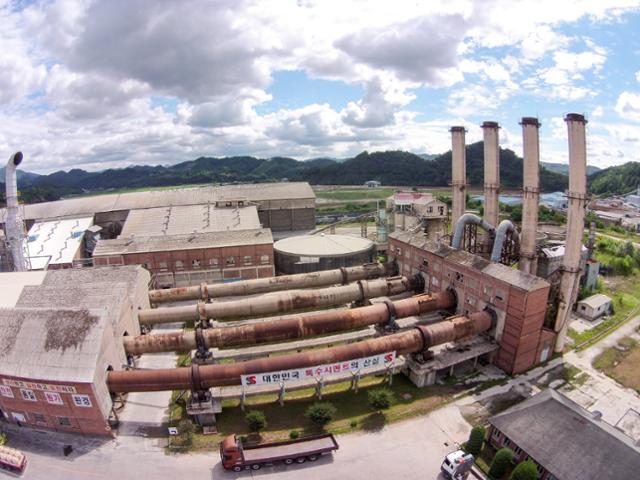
(594, 306)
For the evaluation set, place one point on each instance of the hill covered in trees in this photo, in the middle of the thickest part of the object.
(615, 180)
(391, 168)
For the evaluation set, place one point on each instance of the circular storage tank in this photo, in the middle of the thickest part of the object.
(311, 253)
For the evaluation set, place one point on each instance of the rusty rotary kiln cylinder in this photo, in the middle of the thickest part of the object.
(274, 284)
(201, 377)
(301, 326)
(282, 301)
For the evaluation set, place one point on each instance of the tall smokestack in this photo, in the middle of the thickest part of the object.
(576, 197)
(14, 228)
(458, 174)
(530, 194)
(491, 172)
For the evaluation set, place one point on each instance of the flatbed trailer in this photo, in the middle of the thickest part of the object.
(237, 457)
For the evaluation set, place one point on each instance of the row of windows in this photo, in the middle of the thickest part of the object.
(50, 397)
(247, 260)
(506, 442)
(40, 419)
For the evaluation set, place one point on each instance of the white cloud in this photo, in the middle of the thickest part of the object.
(628, 106)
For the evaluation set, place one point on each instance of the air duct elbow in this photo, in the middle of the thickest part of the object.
(465, 219)
(504, 227)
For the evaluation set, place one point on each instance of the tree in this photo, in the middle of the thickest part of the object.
(501, 462)
(186, 429)
(476, 439)
(380, 399)
(524, 471)
(256, 421)
(321, 413)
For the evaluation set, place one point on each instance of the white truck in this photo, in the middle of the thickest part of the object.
(457, 465)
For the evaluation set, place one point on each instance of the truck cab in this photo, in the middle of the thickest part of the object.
(457, 465)
(231, 454)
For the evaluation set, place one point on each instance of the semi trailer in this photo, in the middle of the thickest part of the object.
(237, 457)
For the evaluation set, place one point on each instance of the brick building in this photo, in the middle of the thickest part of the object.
(565, 441)
(60, 333)
(519, 299)
(179, 260)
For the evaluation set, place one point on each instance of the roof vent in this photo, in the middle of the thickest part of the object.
(596, 414)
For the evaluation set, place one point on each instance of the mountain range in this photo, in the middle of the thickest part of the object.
(391, 168)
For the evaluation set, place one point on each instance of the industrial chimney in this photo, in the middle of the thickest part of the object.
(576, 197)
(14, 228)
(491, 172)
(458, 174)
(530, 194)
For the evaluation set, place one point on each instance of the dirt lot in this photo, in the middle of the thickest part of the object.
(621, 363)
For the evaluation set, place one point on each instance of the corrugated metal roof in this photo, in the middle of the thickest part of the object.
(160, 198)
(164, 243)
(56, 242)
(322, 245)
(567, 440)
(185, 219)
(595, 301)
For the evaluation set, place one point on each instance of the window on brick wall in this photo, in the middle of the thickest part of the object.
(231, 261)
(195, 263)
(506, 442)
(425, 264)
(64, 421)
(163, 266)
(496, 433)
(213, 262)
(398, 251)
(28, 395)
(264, 259)
(248, 260)
(517, 450)
(459, 277)
(500, 295)
(179, 265)
(39, 418)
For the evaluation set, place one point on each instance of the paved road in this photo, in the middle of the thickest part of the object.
(406, 450)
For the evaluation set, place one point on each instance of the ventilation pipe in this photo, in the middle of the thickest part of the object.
(202, 377)
(464, 220)
(530, 194)
(274, 284)
(14, 227)
(284, 301)
(458, 174)
(576, 197)
(491, 173)
(301, 326)
(504, 227)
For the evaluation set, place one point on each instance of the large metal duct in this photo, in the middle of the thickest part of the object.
(576, 196)
(282, 301)
(274, 284)
(501, 234)
(464, 220)
(301, 326)
(530, 194)
(15, 236)
(491, 173)
(458, 173)
(201, 377)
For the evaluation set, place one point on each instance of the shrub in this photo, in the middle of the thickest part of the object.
(354, 423)
(476, 439)
(256, 420)
(524, 471)
(293, 434)
(380, 399)
(186, 429)
(321, 413)
(501, 463)
(3, 438)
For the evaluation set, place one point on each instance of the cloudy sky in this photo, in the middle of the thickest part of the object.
(96, 84)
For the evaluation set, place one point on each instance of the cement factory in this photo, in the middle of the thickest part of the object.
(87, 282)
